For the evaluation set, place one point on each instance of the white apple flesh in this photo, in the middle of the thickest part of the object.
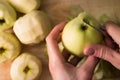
(7, 15)
(33, 27)
(25, 6)
(78, 34)
(26, 67)
(10, 47)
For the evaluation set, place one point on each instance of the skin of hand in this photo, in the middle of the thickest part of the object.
(61, 69)
(105, 52)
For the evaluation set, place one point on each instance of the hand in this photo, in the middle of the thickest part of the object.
(105, 52)
(60, 69)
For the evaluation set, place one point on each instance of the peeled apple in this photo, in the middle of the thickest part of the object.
(78, 34)
(25, 6)
(32, 28)
(9, 47)
(7, 15)
(26, 67)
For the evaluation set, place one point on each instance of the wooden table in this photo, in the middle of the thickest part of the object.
(60, 10)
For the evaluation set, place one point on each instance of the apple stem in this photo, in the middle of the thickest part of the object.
(83, 27)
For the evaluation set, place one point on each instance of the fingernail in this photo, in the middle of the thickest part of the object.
(90, 51)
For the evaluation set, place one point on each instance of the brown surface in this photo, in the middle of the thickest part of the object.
(59, 10)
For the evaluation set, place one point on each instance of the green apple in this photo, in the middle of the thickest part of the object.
(78, 34)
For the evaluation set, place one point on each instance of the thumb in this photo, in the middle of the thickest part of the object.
(105, 53)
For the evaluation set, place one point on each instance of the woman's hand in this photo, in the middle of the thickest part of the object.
(60, 69)
(105, 52)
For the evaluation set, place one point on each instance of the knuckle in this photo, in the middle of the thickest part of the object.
(102, 52)
(48, 38)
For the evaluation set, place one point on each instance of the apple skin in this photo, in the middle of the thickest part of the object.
(78, 33)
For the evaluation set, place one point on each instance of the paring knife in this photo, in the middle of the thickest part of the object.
(112, 44)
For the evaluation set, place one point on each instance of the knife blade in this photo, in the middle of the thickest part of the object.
(101, 28)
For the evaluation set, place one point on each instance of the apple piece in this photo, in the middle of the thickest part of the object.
(61, 47)
(9, 47)
(25, 6)
(78, 34)
(7, 15)
(32, 28)
(26, 67)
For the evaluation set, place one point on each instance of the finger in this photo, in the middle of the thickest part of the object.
(66, 54)
(111, 44)
(107, 38)
(52, 45)
(59, 37)
(74, 61)
(114, 31)
(105, 53)
(54, 34)
(89, 65)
